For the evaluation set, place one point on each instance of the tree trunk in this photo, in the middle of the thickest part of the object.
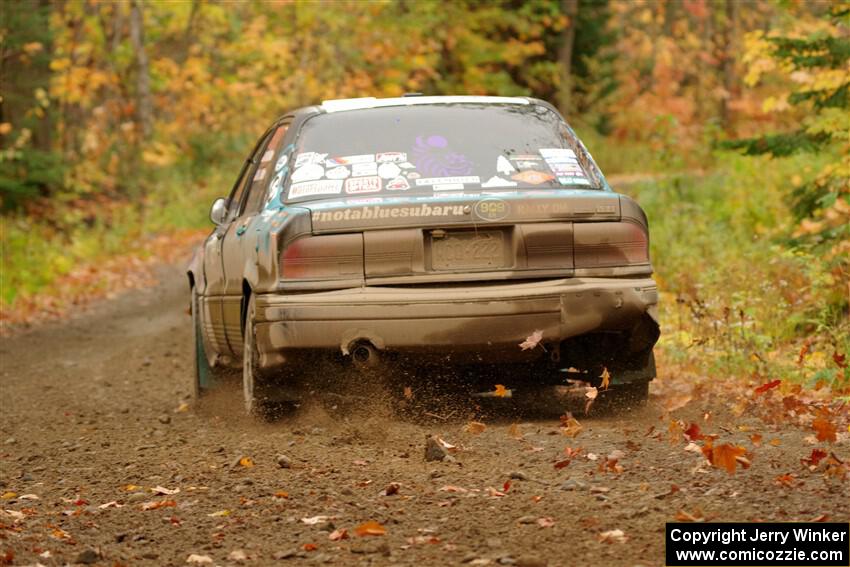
(144, 111)
(565, 55)
(729, 35)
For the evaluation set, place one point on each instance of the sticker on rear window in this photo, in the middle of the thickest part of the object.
(324, 187)
(532, 176)
(448, 187)
(573, 181)
(308, 172)
(348, 160)
(391, 157)
(503, 166)
(267, 156)
(444, 180)
(398, 184)
(260, 175)
(339, 172)
(357, 185)
(549, 153)
(281, 162)
(389, 170)
(309, 157)
(363, 169)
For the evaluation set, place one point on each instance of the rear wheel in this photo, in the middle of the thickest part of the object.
(204, 376)
(251, 381)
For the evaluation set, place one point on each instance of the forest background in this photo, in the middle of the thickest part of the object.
(728, 120)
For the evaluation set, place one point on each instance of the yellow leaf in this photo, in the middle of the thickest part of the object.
(606, 378)
(501, 391)
(8, 495)
(246, 462)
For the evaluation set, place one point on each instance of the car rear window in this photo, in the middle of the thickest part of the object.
(432, 149)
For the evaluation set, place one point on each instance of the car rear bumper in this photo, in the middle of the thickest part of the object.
(451, 318)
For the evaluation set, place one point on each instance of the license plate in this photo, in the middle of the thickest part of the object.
(458, 250)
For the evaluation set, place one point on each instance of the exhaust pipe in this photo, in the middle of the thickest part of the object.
(365, 356)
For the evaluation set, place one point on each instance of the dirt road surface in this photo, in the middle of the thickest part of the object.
(94, 419)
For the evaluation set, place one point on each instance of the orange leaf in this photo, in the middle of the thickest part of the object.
(309, 547)
(156, 504)
(825, 429)
(246, 462)
(726, 456)
(813, 459)
(785, 479)
(500, 391)
(693, 432)
(562, 464)
(767, 386)
(338, 534)
(408, 393)
(475, 427)
(606, 378)
(756, 439)
(281, 494)
(370, 528)
(570, 425)
(697, 516)
(506, 486)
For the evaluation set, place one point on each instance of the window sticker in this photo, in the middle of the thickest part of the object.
(532, 176)
(413, 175)
(434, 157)
(503, 166)
(407, 165)
(391, 157)
(530, 157)
(549, 153)
(444, 180)
(349, 160)
(388, 170)
(268, 156)
(448, 187)
(497, 181)
(573, 181)
(357, 185)
(363, 169)
(398, 184)
(281, 162)
(308, 172)
(323, 187)
(527, 164)
(566, 168)
(339, 172)
(260, 175)
(308, 157)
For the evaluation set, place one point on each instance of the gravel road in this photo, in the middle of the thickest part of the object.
(105, 460)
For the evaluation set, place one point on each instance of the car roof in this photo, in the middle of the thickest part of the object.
(343, 104)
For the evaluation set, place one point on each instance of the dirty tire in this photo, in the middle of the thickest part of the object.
(204, 376)
(251, 381)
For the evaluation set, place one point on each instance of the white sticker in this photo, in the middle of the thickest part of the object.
(267, 156)
(391, 157)
(357, 185)
(309, 157)
(281, 162)
(398, 184)
(339, 172)
(362, 169)
(348, 160)
(407, 165)
(573, 181)
(260, 175)
(413, 175)
(525, 164)
(324, 187)
(388, 170)
(504, 166)
(497, 181)
(556, 152)
(566, 168)
(448, 187)
(308, 172)
(444, 180)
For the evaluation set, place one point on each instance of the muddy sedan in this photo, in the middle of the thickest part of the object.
(460, 230)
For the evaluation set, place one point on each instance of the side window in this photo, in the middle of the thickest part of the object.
(238, 191)
(265, 171)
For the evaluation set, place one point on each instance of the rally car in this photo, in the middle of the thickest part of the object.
(463, 229)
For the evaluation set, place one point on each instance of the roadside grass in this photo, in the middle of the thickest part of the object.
(39, 254)
(737, 299)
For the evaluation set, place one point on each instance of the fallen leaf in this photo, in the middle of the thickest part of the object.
(166, 491)
(338, 534)
(452, 488)
(476, 427)
(513, 431)
(8, 495)
(493, 493)
(112, 504)
(613, 536)
(246, 462)
(570, 425)
(606, 378)
(132, 487)
(767, 386)
(237, 555)
(156, 504)
(676, 430)
(309, 547)
(199, 559)
(785, 480)
(804, 351)
(29, 497)
(370, 528)
(756, 439)
(219, 514)
(813, 459)
(391, 489)
(531, 340)
(281, 494)
(506, 486)
(824, 429)
(561, 464)
(725, 456)
(315, 520)
(693, 432)
(183, 407)
(408, 393)
(572, 453)
(501, 391)
(545, 522)
(821, 518)
(697, 516)
(536, 499)
(839, 359)
(590, 394)
(776, 442)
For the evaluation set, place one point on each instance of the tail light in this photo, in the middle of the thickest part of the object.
(607, 244)
(328, 258)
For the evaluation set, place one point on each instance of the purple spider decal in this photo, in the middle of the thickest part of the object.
(433, 158)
